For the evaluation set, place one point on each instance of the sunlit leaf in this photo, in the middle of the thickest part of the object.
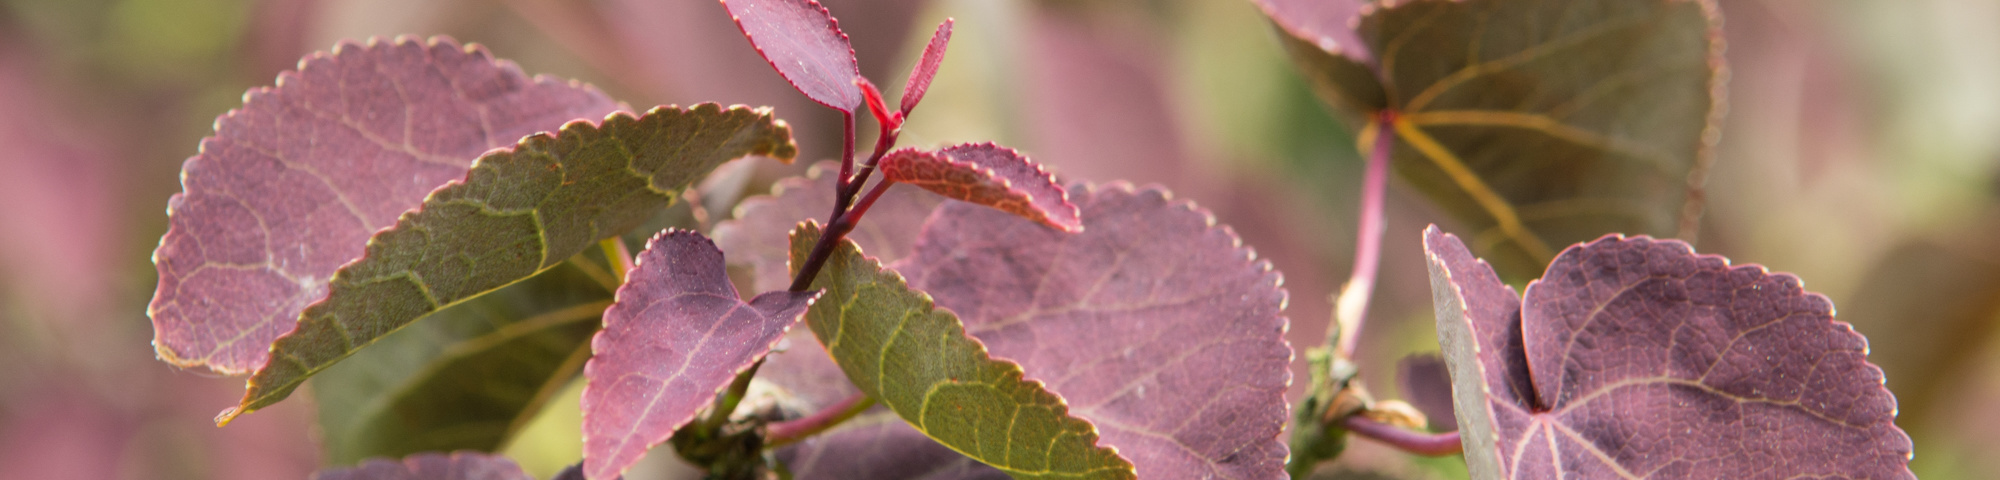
(1154, 323)
(919, 362)
(517, 212)
(677, 335)
(805, 44)
(432, 466)
(1539, 122)
(989, 175)
(1635, 357)
(293, 184)
(926, 68)
(469, 377)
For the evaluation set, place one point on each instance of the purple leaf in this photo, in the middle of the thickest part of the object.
(990, 175)
(1154, 323)
(293, 184)
(463, 465)
(1426, 384)
(879, 446)
(1326, 24)
(675, 337)
(759, 236)
(926, 68)
(1635, 357)
(805, 44)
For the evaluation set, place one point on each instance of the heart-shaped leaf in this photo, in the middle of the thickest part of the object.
(926, 68)
(759, 236)
(920, 363)
(677, 335)
(432, 466)
(1637, 358)
(292, 184)
(986, 174)
(804, 43)
(1154, 323)
(469, 377)
(517, 212)
(1541, 122)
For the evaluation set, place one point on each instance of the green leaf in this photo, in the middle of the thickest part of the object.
(898, 348)
(469, 378)
(516, 213)
(1542, 123)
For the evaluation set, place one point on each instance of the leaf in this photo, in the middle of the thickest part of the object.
(292, 185)
(1327, 25)
(804, 43)
(926, 68)
(470, 377)
(919, 362)
(759, 236)
(517, 212)
(1154, 323)
(986, 174)
(676, 337)
(1426, 384)
(1635, 357)
(1545, 122)
(432, 466)
(878, 445)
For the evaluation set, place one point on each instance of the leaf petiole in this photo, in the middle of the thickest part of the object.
(1419, 443)
(791, 431)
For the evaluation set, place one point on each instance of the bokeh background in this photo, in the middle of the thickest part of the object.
(1860, 152)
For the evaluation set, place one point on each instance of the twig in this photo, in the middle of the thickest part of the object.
(791, 431)
(1420, 443)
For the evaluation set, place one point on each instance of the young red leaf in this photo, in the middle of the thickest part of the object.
(293, 184)
(1635, 357)
(676, 336)
(1154, 323)
(805, 44)
(464, 465)
(989, 175)
(926, 68)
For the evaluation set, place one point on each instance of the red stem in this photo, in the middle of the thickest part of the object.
(1420, 443)
(790, 431)
(1352, 305)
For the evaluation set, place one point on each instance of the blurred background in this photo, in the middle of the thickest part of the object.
(1859, 152)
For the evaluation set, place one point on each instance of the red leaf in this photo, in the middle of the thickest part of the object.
(676, 336)
(1636, 357)
(1155, 324)
(989, 175)
(805, 44)
(293, 184)
(465, 465)
(926, 69)
(1327, 24)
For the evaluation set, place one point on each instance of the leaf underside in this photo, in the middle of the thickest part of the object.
(292, 185)
(919, 362)
(432, 466)
(1637, 358)
(516, 213)
(677, 335)
(804, 43)
(470, 376)
(1541, 123)
(986, 174)
(1154, 323)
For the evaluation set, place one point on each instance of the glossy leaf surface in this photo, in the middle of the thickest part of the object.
(1635, 357)
(1543, 122)
(432, 466)
(805, 44)
(926, 68)
(517, 212)
(469, 377)
(677, 335)
(1154, 323)
(292, 185)
(919, 362)
(759, 238)
(990, 175)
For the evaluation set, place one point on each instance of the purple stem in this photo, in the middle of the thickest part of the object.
(835, 230)
(1351, 309)
(791, 431)
(1420, 443)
